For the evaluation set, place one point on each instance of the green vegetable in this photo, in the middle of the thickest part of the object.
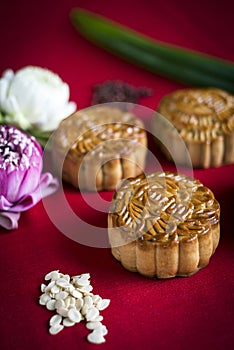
(176, 63)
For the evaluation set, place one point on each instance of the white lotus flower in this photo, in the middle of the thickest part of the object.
(34, 97)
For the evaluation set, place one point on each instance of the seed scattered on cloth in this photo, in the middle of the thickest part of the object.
(56, 329)
(72, 300)
(55, 320)
(96, 337)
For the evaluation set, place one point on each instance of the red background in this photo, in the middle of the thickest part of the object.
(180, 313)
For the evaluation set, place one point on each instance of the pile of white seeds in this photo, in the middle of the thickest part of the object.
(73, 302)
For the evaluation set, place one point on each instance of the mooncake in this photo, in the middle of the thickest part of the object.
(97, 147)
(204, 119)
(163, 224)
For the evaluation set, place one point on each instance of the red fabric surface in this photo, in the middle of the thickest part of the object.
(181, 313)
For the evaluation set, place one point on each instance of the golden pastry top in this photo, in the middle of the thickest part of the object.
(164, 206)
(199, 114)
(103, 128)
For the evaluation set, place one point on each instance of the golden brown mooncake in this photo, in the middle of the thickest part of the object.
(204, 119)
(163, 225)
(99, 146)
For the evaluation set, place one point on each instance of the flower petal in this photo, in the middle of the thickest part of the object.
(3, 92)
(38, 92)
(13, 112)
(53, 123)
(4, 203)
(4, 85)
(9, 220)
(13, 181)
(48, 185)
(34, 97)
(29, 182)
(8, 75)
(3, 182)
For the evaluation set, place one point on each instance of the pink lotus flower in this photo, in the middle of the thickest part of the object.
(22, 184)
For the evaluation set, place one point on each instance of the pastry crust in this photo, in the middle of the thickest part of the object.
(204, 119)
(163, 225)
(98, 147)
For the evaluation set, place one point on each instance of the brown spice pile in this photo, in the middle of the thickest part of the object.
(118, 91)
